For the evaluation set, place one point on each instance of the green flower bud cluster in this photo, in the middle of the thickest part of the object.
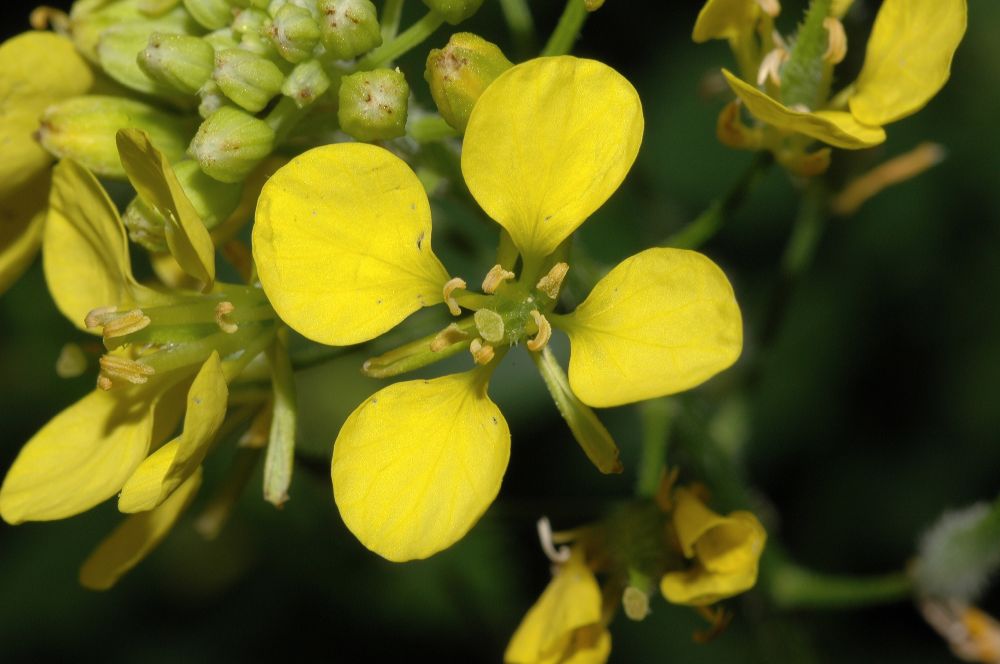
(460, 72)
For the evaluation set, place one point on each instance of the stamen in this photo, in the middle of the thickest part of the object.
(115, 366)
(896, 170)
(770, 66)
(451, 286)
(448, 336)
(836, 42)
(126, 323)
(222, 310)
(99, 316)
(552, 282)
(544, 332)
(771, 7)
(481, 353)
(496, 276)
(556, 554)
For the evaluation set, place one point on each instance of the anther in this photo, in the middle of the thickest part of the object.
(222, 311)
(544, 332)
(836, 42)
(771, 7)
(770, 66)
(448, 336)
(552, 282)
(99, 316)
(496, 276)
(481, 353)
(452, 285)
(114, 366)
(126, 323)
(556, 554)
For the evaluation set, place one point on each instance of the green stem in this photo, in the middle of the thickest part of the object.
(793, 587)
(281, 444)
(317, 355)
(220, 506)
(283, 118)
(656, 416)
(408, 39)
(567, 30)
(522, 26)
(430, 128)
(391, 13)
(417, 354)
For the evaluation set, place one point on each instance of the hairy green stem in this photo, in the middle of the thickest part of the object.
(791, 586)
(656, 416)
(408, 39)
(392, 11)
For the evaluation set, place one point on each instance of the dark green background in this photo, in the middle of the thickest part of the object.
(876, 410)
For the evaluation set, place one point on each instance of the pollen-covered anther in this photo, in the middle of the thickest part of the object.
(451, 286)
(222, 311)
(447, 337)
(99, 316)
(115, 366)
(771, 7)
(539, 341)
(552, 282)
(481, 353)
(121, 324)
(770, 66)
(836, 40)
(496, 276)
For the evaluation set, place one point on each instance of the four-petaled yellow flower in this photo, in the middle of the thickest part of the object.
(342, 242)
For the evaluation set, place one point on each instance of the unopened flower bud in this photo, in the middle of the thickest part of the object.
(247, 79)
(230, 143)
(348, 27)
(180, 61)
(293, 32)
(84, 128)
(306, 82)
(459, 72)
(211, 14)
(145, 225)
(211, 98)
(249, 21)
(221, 39)
(454, 11)
(373, 104)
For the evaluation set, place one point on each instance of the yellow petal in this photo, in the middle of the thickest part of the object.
(82, 456)
(838, 128)
(591, 645)
(725, 19)
(150, 173)
(908, 58)
(571, 601)
(662, 321)
(699, 587)
(21, 218)
(36, 69)
(342, 243)
(417, 464)
(85, 249)
(547, 143)
(164, 470)
(135, 538)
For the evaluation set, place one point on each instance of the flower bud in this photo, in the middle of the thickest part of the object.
(211, 14)
(221, 39)
(454, 11)
(373, 104)
(84, 128)
(248, 79)
(145, 225)
(306, 82)
(458, 74)
(293, 32)
(211, 98)
(180, 61)
(230, 143)
(249, 21)
(349, 27)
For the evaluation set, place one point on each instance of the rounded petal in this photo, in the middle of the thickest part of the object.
(662, 321)
(725, 19)
(417, 464)
(342, 243)
(908, 58)
(22, 215)
(547, 143)
(699, 587)
(837, 128)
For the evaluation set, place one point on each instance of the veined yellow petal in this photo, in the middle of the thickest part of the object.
(725, 19)
(163, 471)
(837, 128)
(908, 58)
(546, 145)
(150, 173)
(342, 243)
(83, 455)
(22, 215)
(662, 321)
(136, 537)
(417, 464)
(36, 69)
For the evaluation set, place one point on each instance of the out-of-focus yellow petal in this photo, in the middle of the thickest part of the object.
(82, 456)
(725, 19)
(21, 217)
(164, 470)
(570, 602)
(417, 464)
(85, 252)
(342, 243)
(150, 173)
(36, 69)
(591, 645)
(837, 128)
(908, 58)
(662, 321)
(700, 587)
(840, 7)
(135, 538)
(547, 143)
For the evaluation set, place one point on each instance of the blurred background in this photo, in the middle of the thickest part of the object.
(875, 408)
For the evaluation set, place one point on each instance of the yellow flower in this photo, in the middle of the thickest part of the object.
(36, 69)
(725, 551)
(342, 242)
(565, 625)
